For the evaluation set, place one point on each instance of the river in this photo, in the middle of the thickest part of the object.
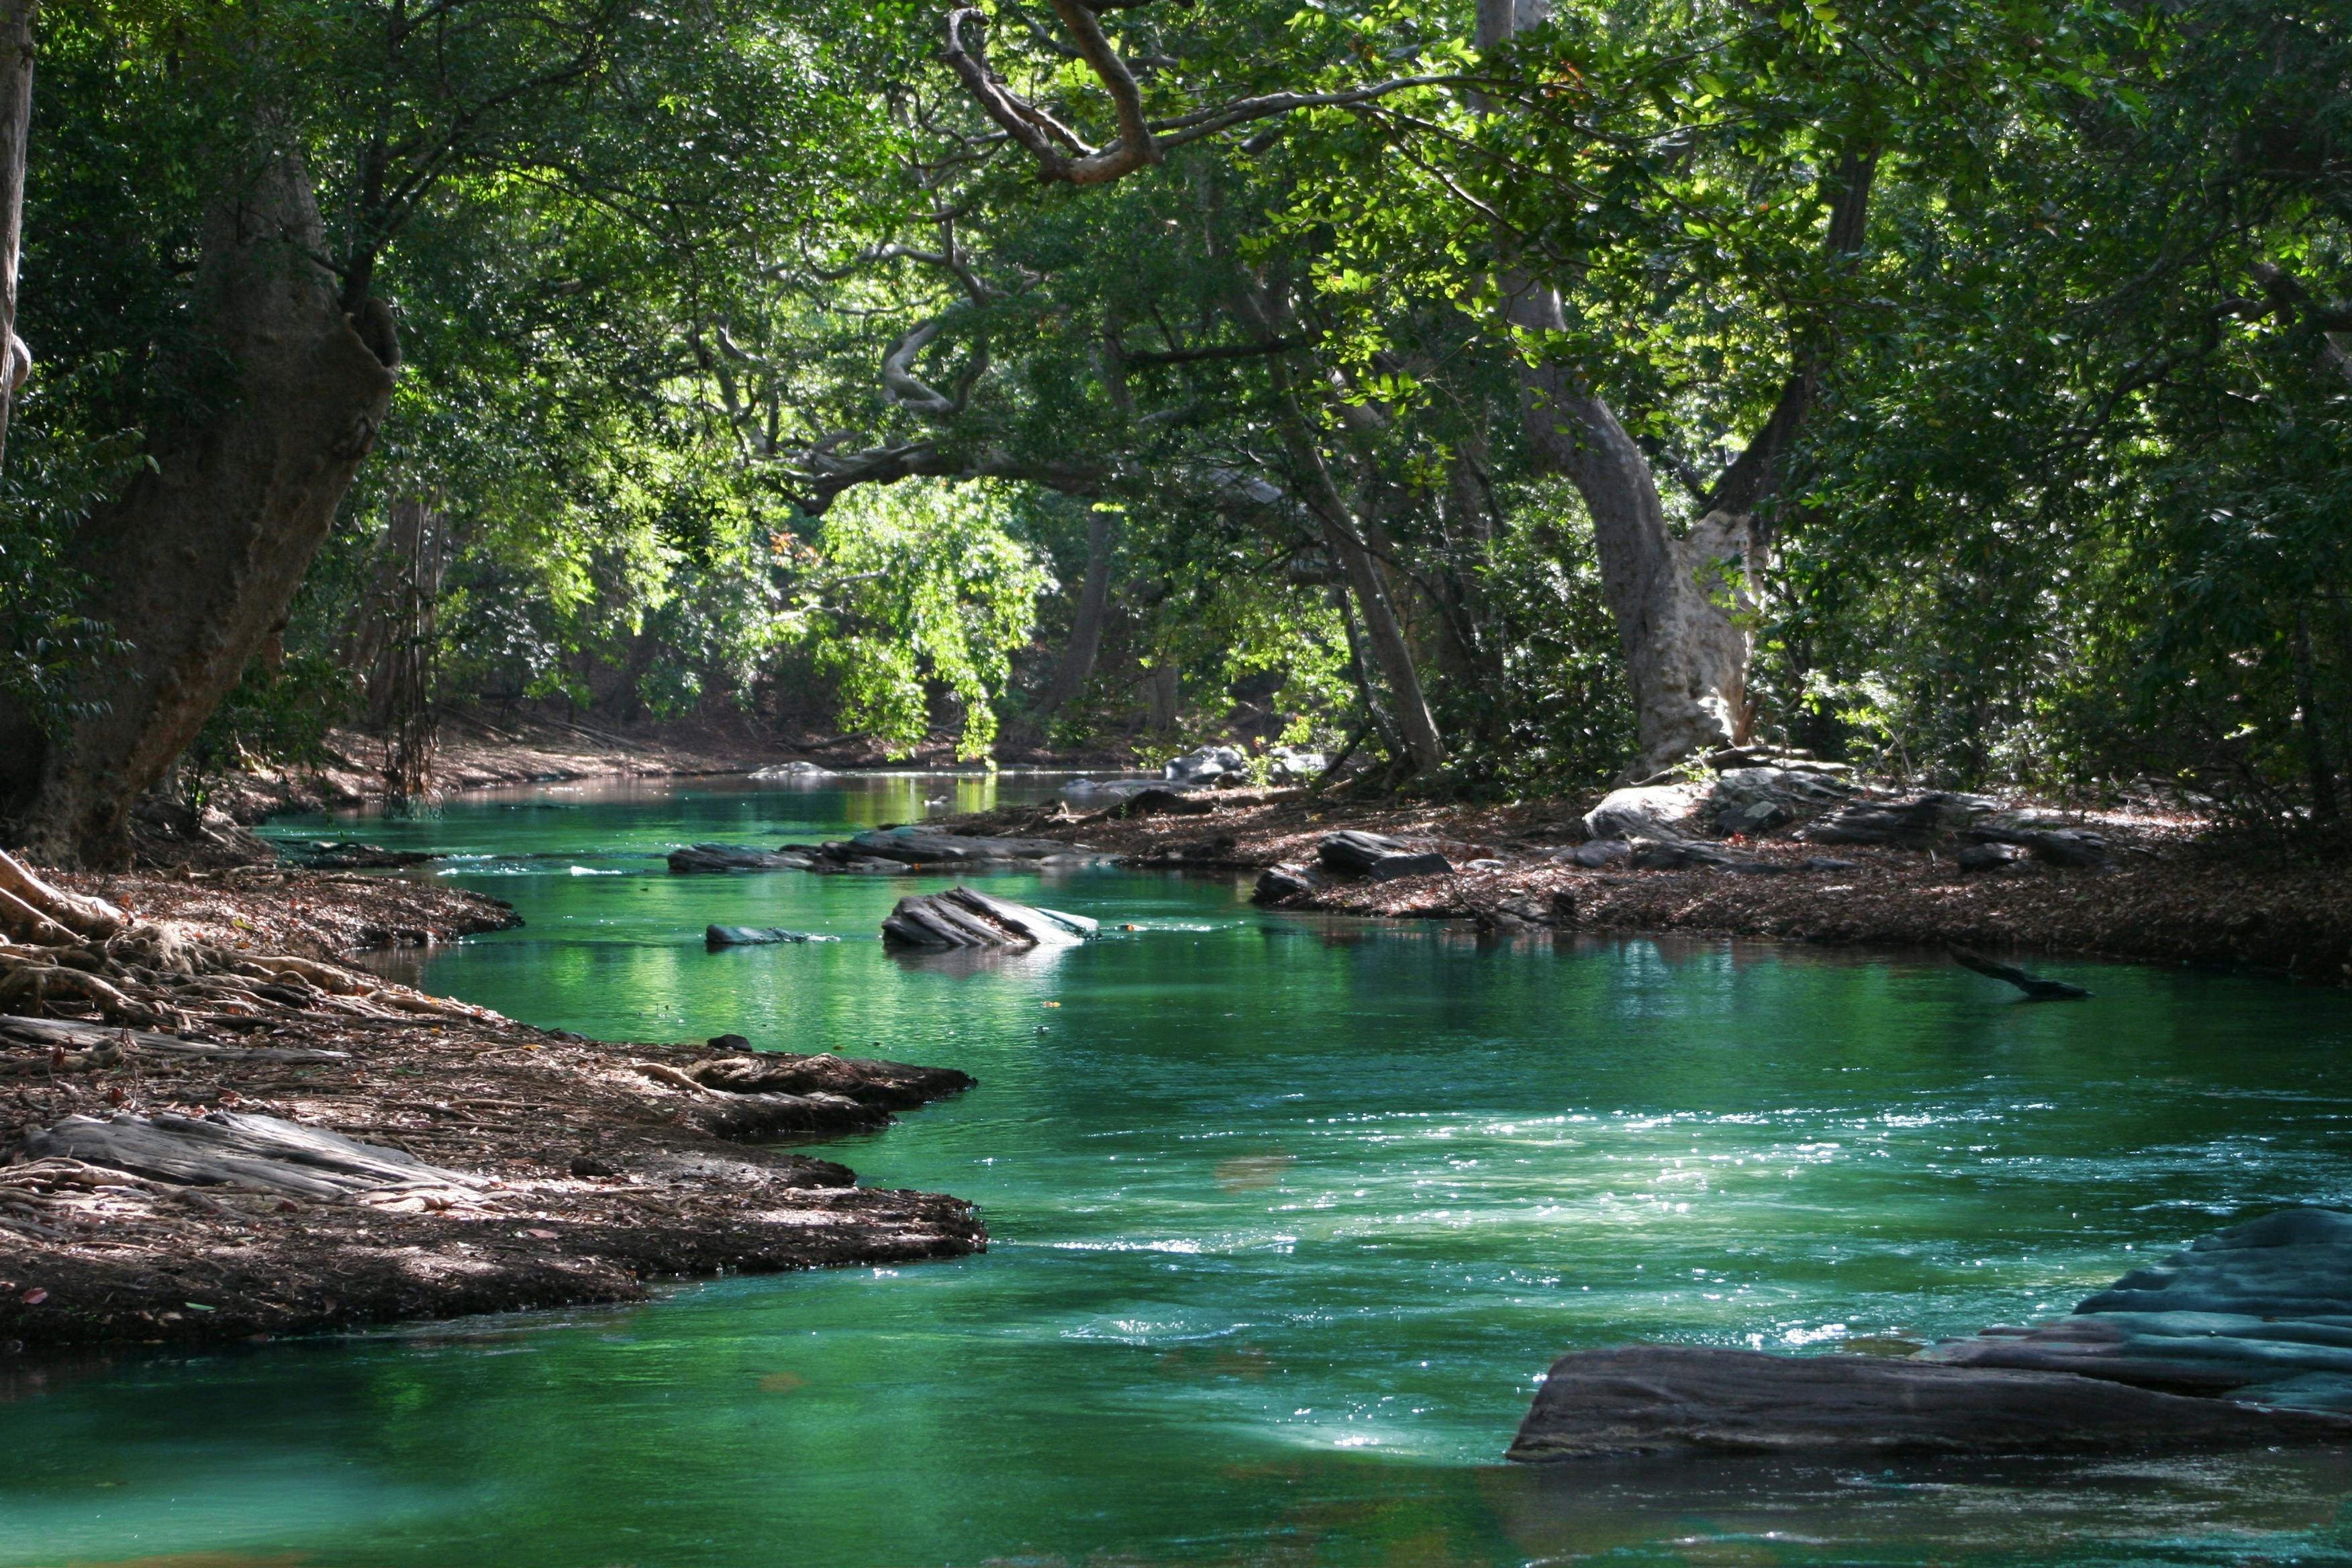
(1288, 1215)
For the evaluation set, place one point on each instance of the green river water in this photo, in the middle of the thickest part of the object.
(1289, 1216)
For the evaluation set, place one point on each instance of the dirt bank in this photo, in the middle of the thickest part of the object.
(555, 1170)
(2169, 896)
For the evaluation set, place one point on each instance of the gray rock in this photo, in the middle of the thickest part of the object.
(1989, 856)
(792, 772)
(1829, 863)
(921, 846)
(757, 936)
(1596, 853)
(967, 918)
(1755, 801)
(1292, 765)
(1279, 884)
(1651, 1399)
(1355, 853)
(1209, 764)
(735, 857)
(1679, 854)
(1647, 811)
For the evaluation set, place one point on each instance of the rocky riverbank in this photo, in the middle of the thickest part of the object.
(2160, 889)
(215, 1132)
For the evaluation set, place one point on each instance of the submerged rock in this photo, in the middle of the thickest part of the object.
(1652, 1399)
(967, 918)
(2242, 1338)
(923, 846)
(757, 936)
(734, 857)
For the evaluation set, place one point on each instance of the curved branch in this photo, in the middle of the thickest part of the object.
(907, 390)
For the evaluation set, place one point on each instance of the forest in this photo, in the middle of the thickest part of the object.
(1519, 397)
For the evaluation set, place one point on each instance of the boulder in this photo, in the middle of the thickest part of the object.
(1354, 853)
(1280, 884)
(1646, 811)
(1652, 1399)
(756, 936)
(1754, 801)
(1209, 764)
(1295, 764)
(735, 857)
(793, 772)
(967, 918)
(2073, 847)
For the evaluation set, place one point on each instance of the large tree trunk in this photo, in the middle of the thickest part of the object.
(1681, 605)
(1078, 656)
(195, 564)
(16, 130)
(1678, 603)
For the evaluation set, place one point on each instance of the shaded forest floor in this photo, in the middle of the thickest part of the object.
(584, 1170)
(2172, 894)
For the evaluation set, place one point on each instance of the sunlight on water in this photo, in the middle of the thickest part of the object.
(1289, 1216)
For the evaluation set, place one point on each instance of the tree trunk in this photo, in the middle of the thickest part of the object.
(1391, 651)
(16, 130)
(195, 564)
(1077, 666)
(1677, 603)
(1159, 696)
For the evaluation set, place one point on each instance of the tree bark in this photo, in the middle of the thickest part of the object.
(195, 564)
(1159, 696)
(16, 130)
(1077, 666)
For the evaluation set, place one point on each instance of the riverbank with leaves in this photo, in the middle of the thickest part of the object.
(396, 1156)
(2171, 893)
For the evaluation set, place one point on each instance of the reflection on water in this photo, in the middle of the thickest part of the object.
(1288, 1216)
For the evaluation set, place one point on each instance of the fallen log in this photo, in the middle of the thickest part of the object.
(229, 1149)
(893, 1086)
(2035, 988)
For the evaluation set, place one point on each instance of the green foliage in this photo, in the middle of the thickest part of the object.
(920, 586)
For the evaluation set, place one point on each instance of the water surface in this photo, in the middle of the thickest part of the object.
(1289, 1216)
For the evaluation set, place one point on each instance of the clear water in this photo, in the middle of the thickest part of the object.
(1288, 1215)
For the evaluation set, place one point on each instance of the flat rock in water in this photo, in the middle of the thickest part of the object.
(1654, 1399)
(793, 771)
(2242, 1338)
(920, 846)
(967, 918)
(892, 1086)
(2261, 1312)
(734, 857)
(757, 936)
(230, 1148)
